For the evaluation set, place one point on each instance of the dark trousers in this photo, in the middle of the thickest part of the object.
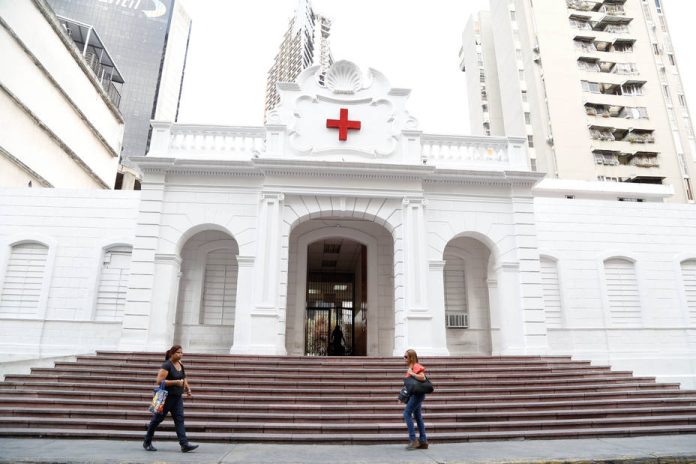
(175, 405)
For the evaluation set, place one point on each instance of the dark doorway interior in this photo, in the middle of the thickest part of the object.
(336, 309)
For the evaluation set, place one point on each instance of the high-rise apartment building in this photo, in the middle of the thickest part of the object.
(148, 39)
(305, 44)
(593, 85)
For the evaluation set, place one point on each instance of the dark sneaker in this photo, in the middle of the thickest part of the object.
(412, 445)
(148, 446)
(423, 445)
(187, 447)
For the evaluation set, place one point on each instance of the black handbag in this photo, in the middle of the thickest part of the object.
(416, 386)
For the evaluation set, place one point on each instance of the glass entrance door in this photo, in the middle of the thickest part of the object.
(329, 326)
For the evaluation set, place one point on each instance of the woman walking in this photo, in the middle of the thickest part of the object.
(413, 406)
(174, 376)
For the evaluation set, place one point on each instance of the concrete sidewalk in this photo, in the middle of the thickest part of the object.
(656, 449)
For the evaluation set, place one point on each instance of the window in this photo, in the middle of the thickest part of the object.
(670, 57)
(524, 96)
(591, 87)
(527, 118)
(622, 292)
(632, 89)
(219, 288)
(23, 285)
(665, 92)
(113, 284)
(688, 269)
(530, 141)
(682, 100)
(552, 292)
(623, 47)
(456, 298)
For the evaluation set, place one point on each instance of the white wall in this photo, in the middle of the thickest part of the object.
(581, 234)
(76, 225)
(68, 132)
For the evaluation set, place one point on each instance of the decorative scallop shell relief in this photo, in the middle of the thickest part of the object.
(344, 77)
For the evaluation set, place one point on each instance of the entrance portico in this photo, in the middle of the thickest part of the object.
(418, 212)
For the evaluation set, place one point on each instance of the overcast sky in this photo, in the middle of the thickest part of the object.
(415, 43)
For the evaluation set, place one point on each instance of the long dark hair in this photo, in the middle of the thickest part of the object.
(171, 351)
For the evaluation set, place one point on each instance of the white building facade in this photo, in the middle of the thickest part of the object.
(340, 211)
(60, 126)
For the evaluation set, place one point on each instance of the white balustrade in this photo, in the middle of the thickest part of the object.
(464, 152)
(216, 142)
(245, 143)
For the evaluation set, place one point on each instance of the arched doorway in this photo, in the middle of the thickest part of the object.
(207, 293)
(340, 274)
(467, 306)
(336, 298)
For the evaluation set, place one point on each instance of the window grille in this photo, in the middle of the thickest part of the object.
(21, 289)
(113, 284)
(457, 319)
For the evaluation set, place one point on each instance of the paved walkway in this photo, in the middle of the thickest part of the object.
(658, 449)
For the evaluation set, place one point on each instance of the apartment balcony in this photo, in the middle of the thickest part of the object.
(623, 146)
(618, 123)
(94, 52)
(632, 174)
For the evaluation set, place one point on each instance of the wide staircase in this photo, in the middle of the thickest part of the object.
(343, 400)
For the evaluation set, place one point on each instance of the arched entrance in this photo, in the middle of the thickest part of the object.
(336, 298)
(340, 275)
(207, 293)
(467, 296)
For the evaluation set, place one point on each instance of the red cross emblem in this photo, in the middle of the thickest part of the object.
(343, 124)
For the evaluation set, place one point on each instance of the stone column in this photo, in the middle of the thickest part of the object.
(140, 297)
(420, 328)
(244, 305)
(436, 303)
(164, 301)
(262, 324)
(510, 309)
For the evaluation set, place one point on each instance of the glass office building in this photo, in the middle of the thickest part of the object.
(148, 40)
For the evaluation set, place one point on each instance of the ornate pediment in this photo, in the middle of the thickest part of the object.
(353, 116)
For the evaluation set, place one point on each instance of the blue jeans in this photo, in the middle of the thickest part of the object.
(175, 405)
(413, 411)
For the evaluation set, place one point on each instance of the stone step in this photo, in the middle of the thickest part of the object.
(344, 399)
(251, 390)
(393, 426)
(326, 372)
(620, 377)
(207, 404)
(368, 438)
(631, 398)
(348, 416)
(336, 366)
(500, 395)
(304, 360)
(326, 380)
(202, 378)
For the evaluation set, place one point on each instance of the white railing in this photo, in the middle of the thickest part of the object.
(212, 139)
(463, 152)
(210, 142)
(189, 141)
